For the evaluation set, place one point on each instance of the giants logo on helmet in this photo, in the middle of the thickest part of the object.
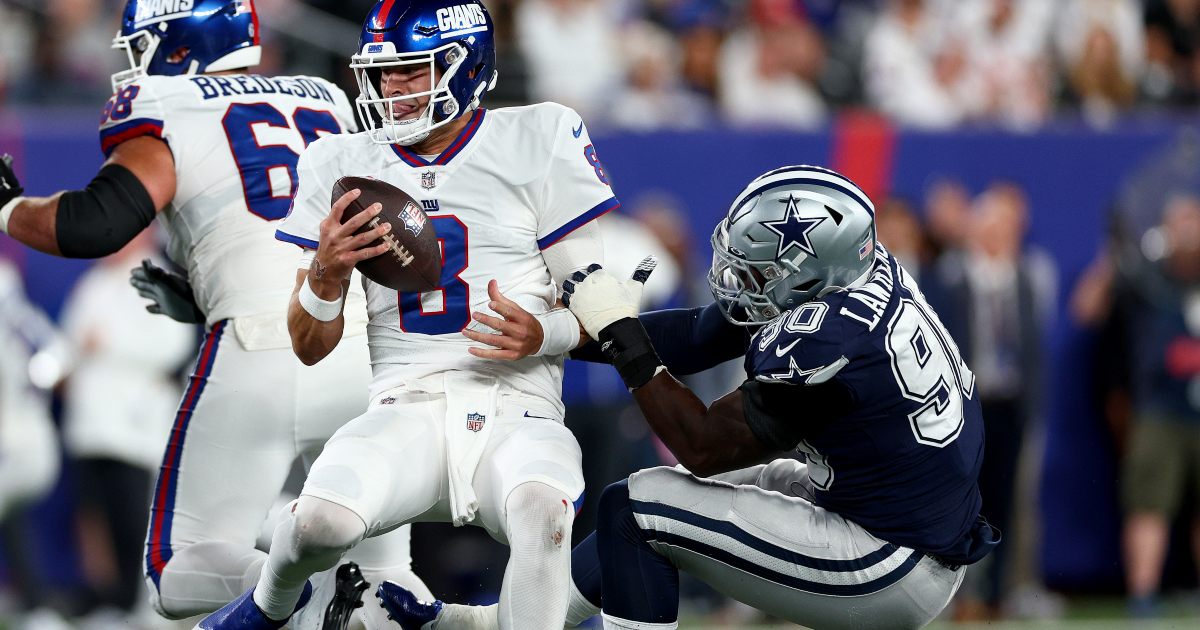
(461, 19)
(152, 11)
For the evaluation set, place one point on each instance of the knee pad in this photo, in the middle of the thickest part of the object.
(539, 516)
(786, 476)
(322, 527)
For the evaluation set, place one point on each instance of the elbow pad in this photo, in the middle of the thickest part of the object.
(102, 218)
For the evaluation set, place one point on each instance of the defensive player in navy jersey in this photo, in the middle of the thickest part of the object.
(846, 364)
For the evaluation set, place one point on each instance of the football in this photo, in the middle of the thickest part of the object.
(413, 261)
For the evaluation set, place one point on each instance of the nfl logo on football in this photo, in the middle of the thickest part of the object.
(414, 219)
(428, 181)
(475, 422)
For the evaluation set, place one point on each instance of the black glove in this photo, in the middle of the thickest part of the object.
(169, 293)
(10, 187)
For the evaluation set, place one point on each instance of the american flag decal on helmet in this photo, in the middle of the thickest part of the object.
(414, 219)
(867, 248)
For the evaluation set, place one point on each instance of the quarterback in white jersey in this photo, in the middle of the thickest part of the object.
(512, 195)
(214, 155)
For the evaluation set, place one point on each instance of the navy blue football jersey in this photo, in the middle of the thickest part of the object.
(898, 450)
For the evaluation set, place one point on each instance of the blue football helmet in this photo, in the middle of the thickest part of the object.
(454, 37)
(171, 37)
(792, 235)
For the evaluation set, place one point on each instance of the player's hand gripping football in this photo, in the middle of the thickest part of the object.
(598, 299)
(340, 249)
(169, 293)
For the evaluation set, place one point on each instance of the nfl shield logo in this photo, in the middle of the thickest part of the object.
(429, 180)
(475, 422)
(414, 219)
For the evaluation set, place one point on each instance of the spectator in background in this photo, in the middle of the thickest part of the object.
(571, 48)
(769, 67)
(900, 232)
(1101, 48)
(1007, 57)
(913, 71)
(29, 456)
(653, 96)
(1172, 73)
(996, 298)
(1162, 466)
(947, 217)
(127, 358)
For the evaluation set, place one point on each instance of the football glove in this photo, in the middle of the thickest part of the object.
(10, 188)
(169, 293)
(607, 309)
(598, 299)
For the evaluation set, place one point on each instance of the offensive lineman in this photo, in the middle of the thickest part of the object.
(850, 366)
(215, 151)
(512, 193)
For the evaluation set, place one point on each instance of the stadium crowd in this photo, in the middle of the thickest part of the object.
(643, 64)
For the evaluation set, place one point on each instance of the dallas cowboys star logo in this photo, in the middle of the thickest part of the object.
(793, 229)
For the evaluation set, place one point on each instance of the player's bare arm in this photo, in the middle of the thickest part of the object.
(706, 440)
(136, 182)
(328, 278)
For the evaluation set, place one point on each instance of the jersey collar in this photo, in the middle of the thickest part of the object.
(456, 147)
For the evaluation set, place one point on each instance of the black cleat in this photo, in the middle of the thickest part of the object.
(347, 597)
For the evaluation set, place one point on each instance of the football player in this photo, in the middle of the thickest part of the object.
(512, 195)
(190, 137)
(849, 366)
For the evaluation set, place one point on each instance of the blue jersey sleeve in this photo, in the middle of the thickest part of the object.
(688, 340)
(692, 340)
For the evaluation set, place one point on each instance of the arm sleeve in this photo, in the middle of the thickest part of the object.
(310, 206)
(693, 340)
(576, 187)
(782, 415)
(574, 252)
(133, 112)
(687, 340)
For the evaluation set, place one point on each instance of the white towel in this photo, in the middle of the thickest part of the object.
(470, 415)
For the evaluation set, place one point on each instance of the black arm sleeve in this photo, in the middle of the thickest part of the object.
(105, 216)
(782, 415)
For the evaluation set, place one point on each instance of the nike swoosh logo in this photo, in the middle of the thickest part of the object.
(578, 131)
(782, 350)
(529, 415)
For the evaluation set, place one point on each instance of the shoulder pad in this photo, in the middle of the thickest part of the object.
(804, 346)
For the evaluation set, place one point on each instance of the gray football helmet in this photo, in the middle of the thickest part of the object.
(794, 234)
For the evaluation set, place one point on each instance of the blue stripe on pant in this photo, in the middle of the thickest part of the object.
(788, 556)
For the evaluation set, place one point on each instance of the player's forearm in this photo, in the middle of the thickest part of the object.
(312, 338)
(706, 441)
(33, 223)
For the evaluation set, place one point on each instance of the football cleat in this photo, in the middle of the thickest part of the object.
(347, 597)
(404, 608)
(243, 614)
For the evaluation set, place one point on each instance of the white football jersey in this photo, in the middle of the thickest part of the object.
(513, 183)
(235, 140)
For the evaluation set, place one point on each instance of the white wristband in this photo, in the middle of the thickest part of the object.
(560, 332)
(321, 310)
(7, 211)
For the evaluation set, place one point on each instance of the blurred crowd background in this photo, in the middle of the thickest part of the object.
(1036, 165)
(642, 64)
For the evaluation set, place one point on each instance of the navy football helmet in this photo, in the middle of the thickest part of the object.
(454, 37)
(792, 235)
(171, 37)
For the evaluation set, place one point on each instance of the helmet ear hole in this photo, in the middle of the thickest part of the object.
(178, 55)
